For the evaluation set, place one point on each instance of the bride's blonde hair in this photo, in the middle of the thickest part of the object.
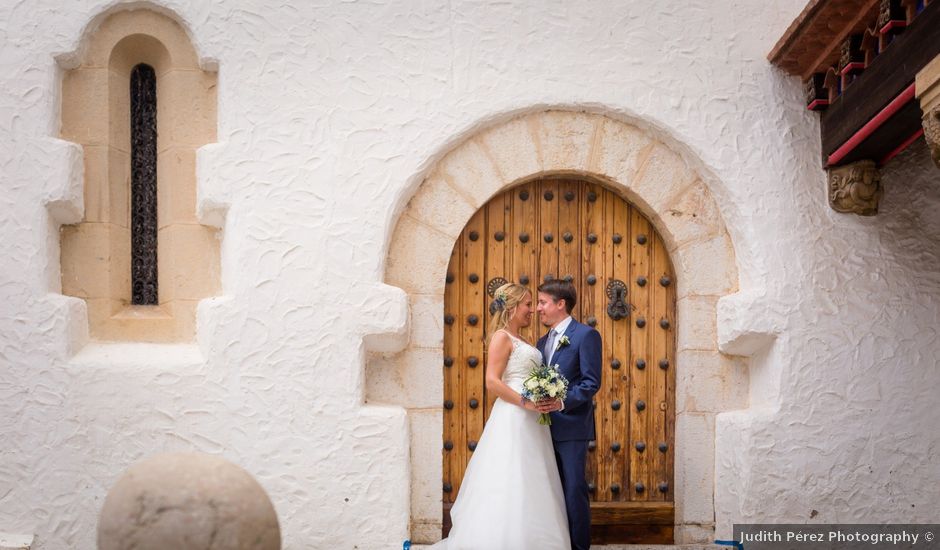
(503, 307)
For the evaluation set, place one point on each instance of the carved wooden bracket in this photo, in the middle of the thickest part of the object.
(927, 85)
(855, 188)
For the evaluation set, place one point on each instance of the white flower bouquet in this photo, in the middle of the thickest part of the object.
(545, 382)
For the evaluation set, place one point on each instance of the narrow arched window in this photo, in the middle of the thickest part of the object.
(141, 258)
(144, 185)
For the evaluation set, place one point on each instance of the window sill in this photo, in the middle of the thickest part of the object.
(138, 355)
(142, 312)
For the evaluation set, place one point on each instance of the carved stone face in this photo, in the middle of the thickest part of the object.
(863, 176)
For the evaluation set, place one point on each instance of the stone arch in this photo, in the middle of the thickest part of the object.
(643, 169)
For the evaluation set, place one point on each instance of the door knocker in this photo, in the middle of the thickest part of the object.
(618, 308)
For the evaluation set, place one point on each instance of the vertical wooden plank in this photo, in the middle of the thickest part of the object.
(570, 262)
(641, 242)
(451, 349)
(524, 258)
(663, 351)
(569, 253)
(547, 200)
(592, 299)
(619, 336)
(474, 296)
(607, 394)
(453, 375)
(671, 297)
(497, 239)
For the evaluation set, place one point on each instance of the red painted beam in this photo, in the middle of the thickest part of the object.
(872, 125)
(894, 24)
(904, 145)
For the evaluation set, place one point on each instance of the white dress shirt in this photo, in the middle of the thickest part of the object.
(559, 329)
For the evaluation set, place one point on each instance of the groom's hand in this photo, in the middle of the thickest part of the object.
(548, 405)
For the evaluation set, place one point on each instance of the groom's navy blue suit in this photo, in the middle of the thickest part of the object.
(573, 427)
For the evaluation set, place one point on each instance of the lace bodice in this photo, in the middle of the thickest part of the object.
(522, 360)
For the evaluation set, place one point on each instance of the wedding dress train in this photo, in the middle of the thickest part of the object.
(511, 496)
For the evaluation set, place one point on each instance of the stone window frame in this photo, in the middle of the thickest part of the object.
(95, 253)
(641, 165)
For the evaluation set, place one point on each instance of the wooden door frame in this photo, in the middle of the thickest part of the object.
(645, 170)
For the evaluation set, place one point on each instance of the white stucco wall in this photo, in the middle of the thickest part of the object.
(851, 435)
(329, 115)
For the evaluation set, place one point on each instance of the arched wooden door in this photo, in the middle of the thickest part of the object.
(577, 229)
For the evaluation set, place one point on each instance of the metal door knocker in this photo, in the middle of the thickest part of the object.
(618, 308)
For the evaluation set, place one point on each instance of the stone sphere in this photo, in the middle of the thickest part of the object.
(187, 500)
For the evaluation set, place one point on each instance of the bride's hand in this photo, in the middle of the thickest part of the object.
(548, 405)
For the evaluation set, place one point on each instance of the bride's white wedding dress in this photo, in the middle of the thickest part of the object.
(511, 496)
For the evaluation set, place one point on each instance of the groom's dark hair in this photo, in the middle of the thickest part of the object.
(559, 289)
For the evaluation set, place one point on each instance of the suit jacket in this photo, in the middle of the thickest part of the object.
(580, 363)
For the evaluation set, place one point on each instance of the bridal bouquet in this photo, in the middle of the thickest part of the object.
(545, 382)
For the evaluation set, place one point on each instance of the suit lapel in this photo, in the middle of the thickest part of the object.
(561, 354)
(570, 330)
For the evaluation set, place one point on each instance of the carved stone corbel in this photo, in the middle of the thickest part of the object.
(855, 188)
(927, 86)
(932, 133)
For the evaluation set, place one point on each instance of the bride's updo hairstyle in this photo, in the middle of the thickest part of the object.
(504, 303)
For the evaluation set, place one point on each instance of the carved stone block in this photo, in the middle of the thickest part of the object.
(927, 86)
(932, 133)
(855, 188)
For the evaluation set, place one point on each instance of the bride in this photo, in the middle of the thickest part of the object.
(511, 496)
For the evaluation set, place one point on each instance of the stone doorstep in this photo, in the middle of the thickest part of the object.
(15, 542)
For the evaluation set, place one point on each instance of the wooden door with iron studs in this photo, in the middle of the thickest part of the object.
(587, 234)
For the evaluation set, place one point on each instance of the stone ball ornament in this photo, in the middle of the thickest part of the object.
(187, 501)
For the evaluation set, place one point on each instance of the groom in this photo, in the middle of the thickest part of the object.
(576, 349)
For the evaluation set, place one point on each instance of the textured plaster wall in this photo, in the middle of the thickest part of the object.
(330, 113)
(843, 425)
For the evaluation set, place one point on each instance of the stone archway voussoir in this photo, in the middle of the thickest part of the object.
(661, 176)
(619, 149)
(513, 150)
(565, 139)
(706, 267)
(418, 257)
(691, 215)
(438, 205)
